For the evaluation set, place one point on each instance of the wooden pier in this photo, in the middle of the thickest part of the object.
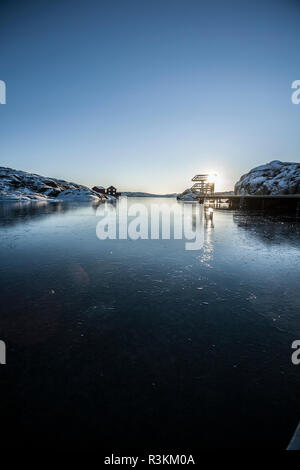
(204, 189)
(287, 203)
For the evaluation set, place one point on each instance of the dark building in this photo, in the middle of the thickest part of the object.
(99, 189)
(112, 191)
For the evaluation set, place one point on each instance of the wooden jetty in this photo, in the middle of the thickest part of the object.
(289, 203)
(204, 189)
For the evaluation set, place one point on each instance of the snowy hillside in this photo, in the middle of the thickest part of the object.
(273, 178)
(21, 186)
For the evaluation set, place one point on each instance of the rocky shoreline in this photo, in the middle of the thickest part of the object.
(21, 186)
(274, 178)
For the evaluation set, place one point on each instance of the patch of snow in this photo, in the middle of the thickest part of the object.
(80, 195)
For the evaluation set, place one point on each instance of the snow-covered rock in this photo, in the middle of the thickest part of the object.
(187, 195)
(273, 178)
(21, 186)
(80, 195)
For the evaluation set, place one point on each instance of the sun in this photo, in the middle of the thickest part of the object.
(212, 176)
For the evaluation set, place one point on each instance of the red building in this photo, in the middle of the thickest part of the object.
(110, 191)
(99, 189)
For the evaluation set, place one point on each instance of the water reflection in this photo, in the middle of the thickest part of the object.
(209, 217)
(206, 255)
(123, 321)
(273, 230)
(13, 213)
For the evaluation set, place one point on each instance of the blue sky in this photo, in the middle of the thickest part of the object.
(144, 94)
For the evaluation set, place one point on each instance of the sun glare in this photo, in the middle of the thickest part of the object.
(212, 176)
